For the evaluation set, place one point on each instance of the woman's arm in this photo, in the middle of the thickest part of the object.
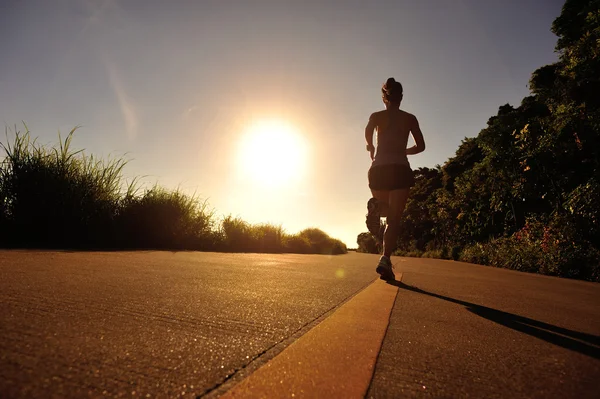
(418, 136)
(369, 131)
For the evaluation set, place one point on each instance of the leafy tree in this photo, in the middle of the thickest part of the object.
(366, 243)
(525, 192)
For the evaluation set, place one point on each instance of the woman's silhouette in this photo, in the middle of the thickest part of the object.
(390, 175)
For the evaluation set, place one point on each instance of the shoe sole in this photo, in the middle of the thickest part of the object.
(385, 274)
(373, 221)
(376, 232)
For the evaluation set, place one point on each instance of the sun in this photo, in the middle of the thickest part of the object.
(272, 153)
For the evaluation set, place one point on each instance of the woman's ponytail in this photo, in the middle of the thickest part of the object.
(391, 91)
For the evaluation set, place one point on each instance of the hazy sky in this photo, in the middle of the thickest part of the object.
(175, 84)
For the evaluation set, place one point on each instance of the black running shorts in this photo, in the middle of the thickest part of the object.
(390, 177)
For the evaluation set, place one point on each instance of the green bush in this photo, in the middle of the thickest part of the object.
(548, 246)
(321, 243)
(413, 254)
(296, 244)
(451, 253)
(434, 253)
(476, 253)
(582, 206)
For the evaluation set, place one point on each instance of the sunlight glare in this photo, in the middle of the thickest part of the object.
(272, 153)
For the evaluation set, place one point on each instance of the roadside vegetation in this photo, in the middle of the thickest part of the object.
(56, 197)
(525, 192)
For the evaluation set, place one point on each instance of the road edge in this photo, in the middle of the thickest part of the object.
(336, 358)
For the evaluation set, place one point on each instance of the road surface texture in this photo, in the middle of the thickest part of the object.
(461, 330)
(186, 324)
(154, 323)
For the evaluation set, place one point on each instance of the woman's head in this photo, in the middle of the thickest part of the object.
(391, 92)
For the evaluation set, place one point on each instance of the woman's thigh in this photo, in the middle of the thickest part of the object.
(397, 202)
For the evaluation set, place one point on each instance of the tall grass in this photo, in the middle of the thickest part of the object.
(55, 197)
(240, 236)
(164, 219)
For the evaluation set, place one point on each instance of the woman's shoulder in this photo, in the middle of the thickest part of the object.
(375, 118)
(377, 114)
(407, 114)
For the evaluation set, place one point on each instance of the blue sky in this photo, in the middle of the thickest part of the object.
(175, 84)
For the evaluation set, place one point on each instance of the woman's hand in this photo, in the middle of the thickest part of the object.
(413, 150)
(371, 149)
(418, 136)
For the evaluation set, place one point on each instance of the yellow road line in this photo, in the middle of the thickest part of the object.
(336, 359)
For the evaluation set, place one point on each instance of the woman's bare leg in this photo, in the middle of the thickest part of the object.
(396, 204)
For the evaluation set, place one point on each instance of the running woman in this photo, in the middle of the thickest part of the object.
(390, 175)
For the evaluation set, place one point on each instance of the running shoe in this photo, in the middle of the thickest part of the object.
(385, 269)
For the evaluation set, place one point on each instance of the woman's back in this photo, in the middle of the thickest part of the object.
(393, 128)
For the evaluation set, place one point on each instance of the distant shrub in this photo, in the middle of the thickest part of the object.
(337, 247)
(296, 244)
(241, 236)
(321, 243)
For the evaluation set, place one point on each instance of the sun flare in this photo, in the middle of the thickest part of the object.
(272, 153)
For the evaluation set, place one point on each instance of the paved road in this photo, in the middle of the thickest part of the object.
(158, 323)
(461, 330)
(161, 324)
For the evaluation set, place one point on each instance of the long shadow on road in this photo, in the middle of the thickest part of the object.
(583, 343)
